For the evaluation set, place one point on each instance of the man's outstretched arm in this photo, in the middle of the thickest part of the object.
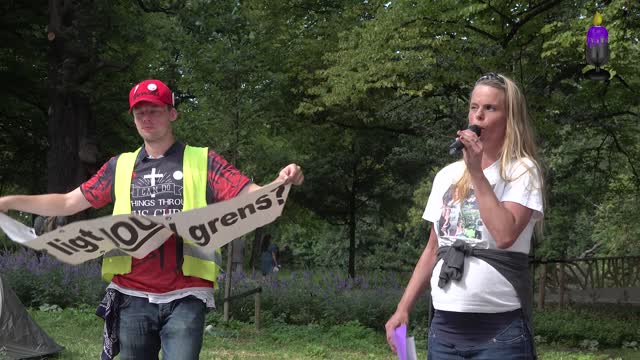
(47, 204)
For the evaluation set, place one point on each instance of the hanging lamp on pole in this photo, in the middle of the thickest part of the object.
(597, 50)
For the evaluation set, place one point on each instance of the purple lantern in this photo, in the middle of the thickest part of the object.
(598, 48)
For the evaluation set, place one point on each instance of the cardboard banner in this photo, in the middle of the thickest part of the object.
(213, 226)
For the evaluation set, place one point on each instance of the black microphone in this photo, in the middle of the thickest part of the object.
(457, 146)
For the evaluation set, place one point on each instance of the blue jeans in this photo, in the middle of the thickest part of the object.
(176, 327)
(514, 342)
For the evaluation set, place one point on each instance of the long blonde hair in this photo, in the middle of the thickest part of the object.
(519, 140)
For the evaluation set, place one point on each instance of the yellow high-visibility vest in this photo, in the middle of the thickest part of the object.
(200, 262)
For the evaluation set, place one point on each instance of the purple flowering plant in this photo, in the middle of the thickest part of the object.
(38, 279)
(323, 297)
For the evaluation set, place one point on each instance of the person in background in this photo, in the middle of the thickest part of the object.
(268, 256)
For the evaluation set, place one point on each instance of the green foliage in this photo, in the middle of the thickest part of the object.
(6, 244)
(364, 95)
(80, 332)
(326, 298)
(356, 306)
(23, 116)
(39, 279)
(588, 327)
(312, 240)
(77, 329)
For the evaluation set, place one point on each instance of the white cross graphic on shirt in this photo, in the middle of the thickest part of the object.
(153, 177)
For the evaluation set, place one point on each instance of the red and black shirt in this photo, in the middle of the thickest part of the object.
(156, 189)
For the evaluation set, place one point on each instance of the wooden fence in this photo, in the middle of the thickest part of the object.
(597, 279)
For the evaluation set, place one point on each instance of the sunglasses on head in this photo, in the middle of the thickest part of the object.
(491, 76)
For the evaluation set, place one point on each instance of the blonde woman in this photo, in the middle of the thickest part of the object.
(479, 277)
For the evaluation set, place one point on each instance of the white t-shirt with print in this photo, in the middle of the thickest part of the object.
(482, 288)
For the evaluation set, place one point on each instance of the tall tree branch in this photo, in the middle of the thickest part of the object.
(416, 131)
(495, 10)
(529, 15)
(625, 153)
(155, 6)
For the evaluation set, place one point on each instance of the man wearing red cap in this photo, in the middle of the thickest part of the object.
(158, 302)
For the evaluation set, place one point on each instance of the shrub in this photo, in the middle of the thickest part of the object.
(589, 326)
(328, 298)
(39, 279)
(325, 299)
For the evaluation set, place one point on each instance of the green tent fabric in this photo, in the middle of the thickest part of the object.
(20, 336)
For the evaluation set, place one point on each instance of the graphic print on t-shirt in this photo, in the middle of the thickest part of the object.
(157, 189)
(461, 220)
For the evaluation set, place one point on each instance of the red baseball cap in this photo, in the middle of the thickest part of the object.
(154, 91)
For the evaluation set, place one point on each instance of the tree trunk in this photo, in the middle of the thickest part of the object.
(542, 287)
(561, 283)
(70, 122)
(227, 283)
(352, 222)
(255, 251)
(352, 241)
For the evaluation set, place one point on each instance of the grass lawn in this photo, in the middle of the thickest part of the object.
(80, 331)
